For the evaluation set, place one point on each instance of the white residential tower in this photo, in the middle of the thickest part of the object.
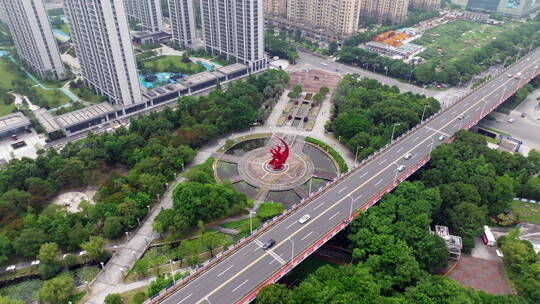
(31, 31)
(234, 29)
(182, 22)
(102, 41)
(146, 12)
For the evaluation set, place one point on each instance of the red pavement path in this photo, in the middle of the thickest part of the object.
(481, 274)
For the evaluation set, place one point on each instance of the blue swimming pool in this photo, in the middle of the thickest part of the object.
(63, 36)
(3, 53)
(161, 79)
(208, 67)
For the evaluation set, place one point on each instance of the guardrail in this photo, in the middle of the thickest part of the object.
(267, 225)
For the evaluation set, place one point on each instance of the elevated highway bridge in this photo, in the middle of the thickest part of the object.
(237, 274)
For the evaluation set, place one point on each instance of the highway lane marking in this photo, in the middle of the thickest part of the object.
(417, 138)
(269, 251)
(292, 224)
(333, 216)
(307, 235)
(339, 201)
(454, 112)
(363, 175)
(318, 206)
(344, 188)
(236, 288)
(443, 119)
(221, 273)
(383, 161)
(400, 149)
(185, 298)
(379, 182)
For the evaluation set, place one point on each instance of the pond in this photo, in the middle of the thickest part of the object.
(247, 189)
(296, 122)
(26, 291)
(244, 147)
(320, 160)
(316, 183)
(287, 198)
(303, 109)
(226, 170)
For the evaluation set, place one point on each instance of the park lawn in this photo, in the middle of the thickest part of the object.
(6, 109)
(53, 98)
(65, 29)
(6, 77)
(528, 212)
(457, 38)
(86, 94)
(172, 64)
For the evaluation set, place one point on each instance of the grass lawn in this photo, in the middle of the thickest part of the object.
(457, 38)
(7, 76)
(50, 98)
(527, 212)
(87, 94)
(6, 109)
(172, 64)
(65, 29)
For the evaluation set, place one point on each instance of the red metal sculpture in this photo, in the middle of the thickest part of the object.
(279, 158)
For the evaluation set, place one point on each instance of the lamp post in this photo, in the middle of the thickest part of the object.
(530, 47)
(127, 235)
(393, 131)
(431, 146)
(397, 170)
(356, 155)
(250, 222)
(504, 63)
(172, 273)
(517, 58)
(424, 112)
(182, 166)
(352, 200)
(292, 249)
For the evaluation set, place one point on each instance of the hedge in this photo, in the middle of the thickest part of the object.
(341, 162)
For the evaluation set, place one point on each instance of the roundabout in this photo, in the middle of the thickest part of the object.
(281, 168)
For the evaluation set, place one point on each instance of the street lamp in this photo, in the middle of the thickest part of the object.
(127, 235)
(172, 272)
(102, 265)
(352, 200)
(424, 112)
(393, 131)
(292, 249)
(504, 63)
(530, 47)
(431, 146)
(251, 221)
(356, 155)
(182, 166)
(397, 170)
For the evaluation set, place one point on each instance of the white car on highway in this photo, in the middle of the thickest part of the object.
(407, 156)
(304, 219)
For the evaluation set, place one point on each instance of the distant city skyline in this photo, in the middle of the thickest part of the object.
(33, 37)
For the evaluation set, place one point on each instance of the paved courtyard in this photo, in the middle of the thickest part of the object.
(481, 274)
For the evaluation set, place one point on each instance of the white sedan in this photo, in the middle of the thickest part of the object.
(304, 219)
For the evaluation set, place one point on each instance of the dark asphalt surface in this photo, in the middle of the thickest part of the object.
(240, 273)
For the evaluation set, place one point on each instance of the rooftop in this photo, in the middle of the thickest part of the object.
(86, 114)
(199, 78)
(13, 121)
(233, 68)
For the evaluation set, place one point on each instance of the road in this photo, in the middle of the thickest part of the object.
(521, 127)
(307, 60)
(235, 278)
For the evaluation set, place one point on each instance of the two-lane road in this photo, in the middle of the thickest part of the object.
(232, 279)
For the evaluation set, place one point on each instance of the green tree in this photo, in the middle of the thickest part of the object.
(274, 294)
(95, 248)
(6, 300)
(113, 228)
(517, 253)
(5, 248)
(468, 218)
(212, 241)
(57, 290)
(29, 242)
(49, 260)
(114, 298)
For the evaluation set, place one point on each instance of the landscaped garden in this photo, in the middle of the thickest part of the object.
(171, 64)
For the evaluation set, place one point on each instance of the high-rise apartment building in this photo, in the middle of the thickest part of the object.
(394, 11)
(425, 4)
(338, 16)
(147, 12)
(3, 16)
(182, 22)
(100, 32)
(234, 28)
(31, 31)
(276, 8)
